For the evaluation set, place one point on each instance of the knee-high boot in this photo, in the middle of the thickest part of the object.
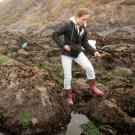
(69, 96)
(94, 89)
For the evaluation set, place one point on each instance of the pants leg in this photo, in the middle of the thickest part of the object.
(67, 68)
(83, 61)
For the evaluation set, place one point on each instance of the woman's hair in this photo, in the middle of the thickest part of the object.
(82, 11)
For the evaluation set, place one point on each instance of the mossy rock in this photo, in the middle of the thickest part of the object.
(53, 53)
(2, 73)
(3, 117)
(58, 72)
(90, 129)
(3, 59)
(127, 102)
(3, 50)
(29, 63)
(104, 111)
(119, 72)
(97, 117)
(43, 66)
(25, 119)
(122, 71)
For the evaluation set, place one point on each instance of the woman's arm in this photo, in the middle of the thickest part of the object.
(59, 32)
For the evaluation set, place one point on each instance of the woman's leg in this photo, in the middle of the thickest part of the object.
(67, 68)
(86, 64)
(83, 61)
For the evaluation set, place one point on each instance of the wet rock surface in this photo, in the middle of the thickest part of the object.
(26, 103)
(32, 99)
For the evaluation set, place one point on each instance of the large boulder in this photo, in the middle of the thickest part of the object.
(30, 102)
(118, 55)
(105, 110)
(127, 102)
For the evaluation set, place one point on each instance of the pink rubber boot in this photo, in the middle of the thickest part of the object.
(94, 89)
(69, 96)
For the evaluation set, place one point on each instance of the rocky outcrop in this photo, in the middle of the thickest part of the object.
(121, 55)
(47, 13)
(31, 102)
(127, 102)
(114, 110)
(31, 80)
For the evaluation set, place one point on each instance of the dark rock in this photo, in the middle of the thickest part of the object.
(30, 104)
(127, 102)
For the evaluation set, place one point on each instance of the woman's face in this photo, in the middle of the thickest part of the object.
(83, 19)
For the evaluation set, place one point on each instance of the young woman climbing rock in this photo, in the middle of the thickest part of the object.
(75, 36)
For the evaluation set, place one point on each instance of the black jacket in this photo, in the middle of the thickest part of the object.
(72, 38)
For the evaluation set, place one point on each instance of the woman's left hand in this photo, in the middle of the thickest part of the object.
(97, 54)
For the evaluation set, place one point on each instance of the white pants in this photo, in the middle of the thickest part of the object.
(83, 61)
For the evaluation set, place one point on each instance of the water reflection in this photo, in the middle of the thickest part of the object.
(76, 121)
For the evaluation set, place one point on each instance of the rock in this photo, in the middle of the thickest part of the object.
(109, 109)
(106, 111)
(103, 110)
(82, 83)
(115, 38)
(127, 101)
(3, 49)
(29, 103)
(114, 84)
(120, 55)
(7, 61)
(23, 53)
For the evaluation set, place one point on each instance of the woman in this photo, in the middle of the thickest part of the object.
(75, 36)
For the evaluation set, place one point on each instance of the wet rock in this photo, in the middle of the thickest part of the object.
(106, 110)
(117, 84)
(34, 95)
(23, 53)
(3, 49)
(119, 38)
(30, 104)
(103, 111)
(120, 55)
(127, 102)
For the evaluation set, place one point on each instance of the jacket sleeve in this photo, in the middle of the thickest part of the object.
(86, 45)
(59, 32)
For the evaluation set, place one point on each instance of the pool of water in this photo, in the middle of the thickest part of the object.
(73, 128)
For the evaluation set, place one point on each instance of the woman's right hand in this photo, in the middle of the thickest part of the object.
(67, 48)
